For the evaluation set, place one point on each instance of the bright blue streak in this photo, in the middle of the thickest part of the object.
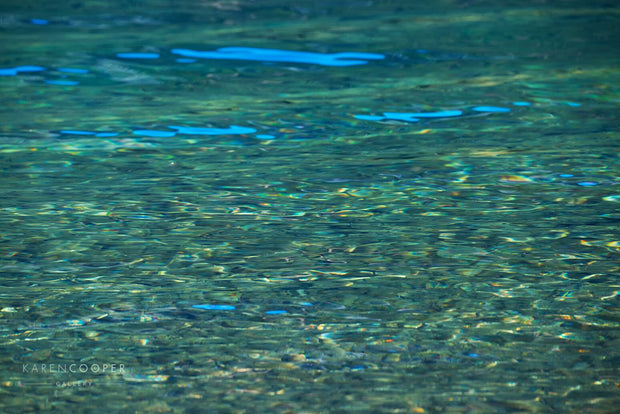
(29, 68)
(490, 109)
(400, 116)
(276, 312)
(16, 70)
(153, 133)
(369, 117)
(233, 130)
(137, 55)
(439, 114)
(76, 132)
(72, 70)
(62, 82)
(276, 55)
(214, 307)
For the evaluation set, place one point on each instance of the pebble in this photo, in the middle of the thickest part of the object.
(76, 322)
(516, 179)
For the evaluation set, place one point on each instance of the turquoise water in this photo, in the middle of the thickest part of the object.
(373, 206)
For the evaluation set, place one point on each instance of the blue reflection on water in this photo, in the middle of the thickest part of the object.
(276, 55)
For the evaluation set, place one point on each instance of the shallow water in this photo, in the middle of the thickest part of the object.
(431, 229)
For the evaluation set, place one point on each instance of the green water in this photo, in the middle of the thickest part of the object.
(450, 265)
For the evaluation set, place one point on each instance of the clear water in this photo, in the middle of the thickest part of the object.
(258, 232)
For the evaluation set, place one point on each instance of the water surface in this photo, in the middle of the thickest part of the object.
(373, 206)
